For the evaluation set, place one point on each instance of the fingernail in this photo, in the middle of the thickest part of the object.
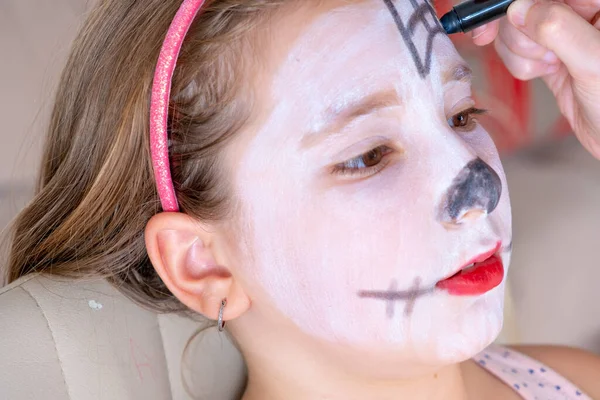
(477, 33)
(518, 12)
(550, 57)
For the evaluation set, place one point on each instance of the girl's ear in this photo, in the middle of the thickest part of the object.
(182, 254)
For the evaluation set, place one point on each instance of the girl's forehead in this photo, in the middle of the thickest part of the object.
(363, 47)
(362, 36)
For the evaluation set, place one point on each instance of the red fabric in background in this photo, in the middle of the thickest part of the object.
(512, 121)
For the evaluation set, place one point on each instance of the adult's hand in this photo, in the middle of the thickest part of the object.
(560, 42)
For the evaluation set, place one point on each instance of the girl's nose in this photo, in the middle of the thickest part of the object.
(475, 192)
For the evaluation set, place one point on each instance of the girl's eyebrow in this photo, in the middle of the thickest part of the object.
(460, 72)
(336, 118)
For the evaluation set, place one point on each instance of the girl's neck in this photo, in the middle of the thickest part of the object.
(272, 379)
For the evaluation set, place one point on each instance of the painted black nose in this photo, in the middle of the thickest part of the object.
(476, 188)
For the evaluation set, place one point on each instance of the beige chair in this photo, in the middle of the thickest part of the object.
(61, 340)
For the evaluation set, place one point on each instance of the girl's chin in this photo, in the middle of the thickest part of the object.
(407, 363)
(443, 349)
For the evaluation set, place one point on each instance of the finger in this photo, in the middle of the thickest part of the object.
(558, 28)
(521, 45)
(586, 8)
(523, 68)
(485, 34)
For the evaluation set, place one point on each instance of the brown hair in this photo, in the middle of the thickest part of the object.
(96, 191)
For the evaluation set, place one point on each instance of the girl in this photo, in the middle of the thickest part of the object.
(325, 189)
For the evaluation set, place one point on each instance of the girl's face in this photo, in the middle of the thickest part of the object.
(361, 186)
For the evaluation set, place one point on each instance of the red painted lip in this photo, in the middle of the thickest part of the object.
(484, 256)
(488, 273)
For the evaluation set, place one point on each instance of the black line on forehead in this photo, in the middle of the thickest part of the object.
(407, 32)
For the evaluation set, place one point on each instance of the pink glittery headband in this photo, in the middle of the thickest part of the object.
(159, 105)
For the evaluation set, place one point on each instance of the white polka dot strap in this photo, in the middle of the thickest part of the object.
(528, 377)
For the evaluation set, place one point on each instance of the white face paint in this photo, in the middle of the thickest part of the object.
(317, 237)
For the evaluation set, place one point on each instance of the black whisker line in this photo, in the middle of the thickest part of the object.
(389, 296)
(404, 295)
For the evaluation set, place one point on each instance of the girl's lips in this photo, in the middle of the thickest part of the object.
(486, 273)
(483, 257)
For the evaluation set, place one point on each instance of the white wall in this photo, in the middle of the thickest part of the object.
(35, 36)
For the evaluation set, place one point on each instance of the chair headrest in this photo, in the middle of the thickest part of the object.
(85, 340)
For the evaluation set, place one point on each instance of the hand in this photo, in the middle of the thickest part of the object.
(558, 41)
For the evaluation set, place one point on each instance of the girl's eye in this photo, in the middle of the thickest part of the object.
(464, 120)
(366, 164)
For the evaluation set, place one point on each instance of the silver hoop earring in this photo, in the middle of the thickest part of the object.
(220, 322)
